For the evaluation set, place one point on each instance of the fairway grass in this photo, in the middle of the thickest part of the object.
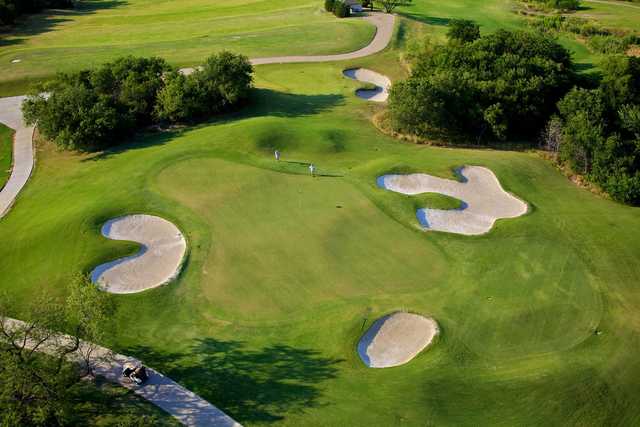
(286, 271)
(183, 32)
(6, 150)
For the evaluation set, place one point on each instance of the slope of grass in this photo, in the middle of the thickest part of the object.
(184, 32)
(286, 271)
(613, 14)
(6, 153)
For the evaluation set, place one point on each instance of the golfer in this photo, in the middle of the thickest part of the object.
(312, 169)
(277, 154)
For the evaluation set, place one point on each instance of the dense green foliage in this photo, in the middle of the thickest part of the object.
(502, 85)
(341, 9)
(329, 5)
(11, 9)
(37, 390)
(220, 84)
(463, 30)
(95, 109)
(601, 129)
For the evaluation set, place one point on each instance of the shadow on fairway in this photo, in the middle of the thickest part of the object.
(263, 102)
(30, 25)
(249, 385)
(429, 20)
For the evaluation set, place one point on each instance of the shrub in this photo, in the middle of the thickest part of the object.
(463, 30)
(341, 10)
(503, 84)
(329, 5)
(601, 130)
(94, 109)
(222, 83)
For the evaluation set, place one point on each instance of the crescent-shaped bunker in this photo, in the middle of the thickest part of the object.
(158, 262)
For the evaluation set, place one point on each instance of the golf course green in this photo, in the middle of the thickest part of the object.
(539, 319)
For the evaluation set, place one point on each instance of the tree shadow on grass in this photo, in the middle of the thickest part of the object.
(249, 385)
(429, 20)
(263, 103)
(30, 25)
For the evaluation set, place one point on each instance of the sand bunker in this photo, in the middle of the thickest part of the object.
(158, 262)
(484, 200)
(382, 83)
(395, 339)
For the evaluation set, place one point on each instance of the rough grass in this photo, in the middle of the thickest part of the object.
(6, 156)
(183, 32)
(286, 271)
(613, 14)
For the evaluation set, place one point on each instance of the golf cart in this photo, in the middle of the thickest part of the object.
(137, 374)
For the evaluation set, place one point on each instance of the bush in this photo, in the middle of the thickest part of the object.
(601, 130)
(463, 30)
(329, 5)
(564, 4)
(11, 9)
(95, 109)
(503, 84)
(221, 84)
(341, 10)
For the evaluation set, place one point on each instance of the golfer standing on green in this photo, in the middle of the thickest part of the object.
(312, 169)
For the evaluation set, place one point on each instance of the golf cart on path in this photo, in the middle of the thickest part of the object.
(137, 374)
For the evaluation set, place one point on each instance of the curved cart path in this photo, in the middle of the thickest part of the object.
(484, 200)
(383, 22)
(184, 405)
(23, 153)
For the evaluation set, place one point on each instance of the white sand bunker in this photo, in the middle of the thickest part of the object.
(395, 339)
(382, 83)
(483, 200)
(158, 262)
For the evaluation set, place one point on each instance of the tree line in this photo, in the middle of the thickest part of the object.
(513, 85)
(95, 109)
(10, 10)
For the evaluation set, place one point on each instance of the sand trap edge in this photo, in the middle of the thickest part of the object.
(367, 340)
(143, 248)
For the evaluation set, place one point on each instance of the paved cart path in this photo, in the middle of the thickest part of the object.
(184, 405)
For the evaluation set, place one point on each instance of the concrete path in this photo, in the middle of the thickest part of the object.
(383, 22)
(23, 153)
(184, 405)
(484, 200)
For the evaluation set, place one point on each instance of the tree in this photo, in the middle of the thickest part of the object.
(463, 30)
(329, 5)
(222, 83)
(36, 379)
(341, 9)
(390, 5)
(502, 85)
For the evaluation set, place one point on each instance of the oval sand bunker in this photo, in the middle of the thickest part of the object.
(382, 83)
(395, 339)
(158, 261)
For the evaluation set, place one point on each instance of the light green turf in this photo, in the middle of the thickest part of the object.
(184, 32)
(6, 150)
(285, 271)
(614, 14)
